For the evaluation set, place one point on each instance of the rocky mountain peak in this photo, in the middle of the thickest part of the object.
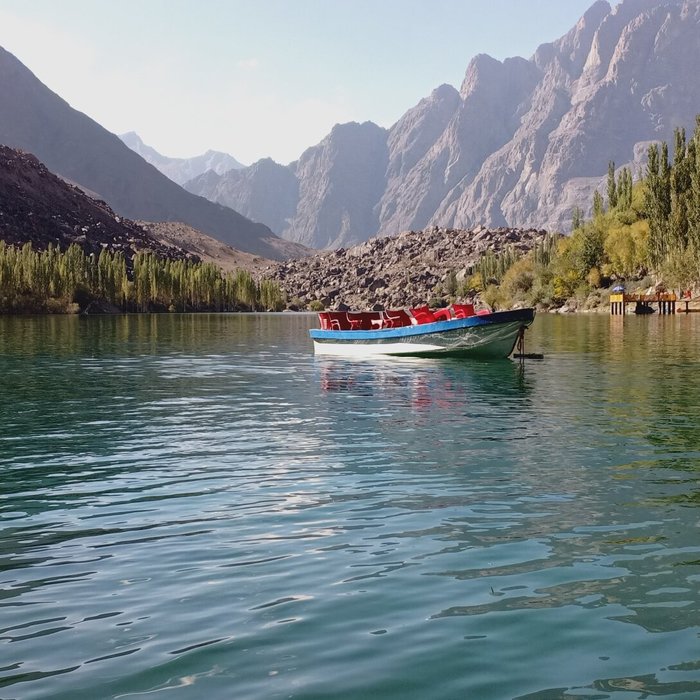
(611, 29)
(573, 48)
(443, 93)
(521, 143)
(481, 70)
(340, 182)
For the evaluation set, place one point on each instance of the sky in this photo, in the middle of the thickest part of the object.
(263, 78)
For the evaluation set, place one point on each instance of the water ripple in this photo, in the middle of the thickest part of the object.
(198, 505)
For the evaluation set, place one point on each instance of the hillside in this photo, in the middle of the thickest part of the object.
(395, 271)
(521, 143)
(69, 143)
(205, 247)
(38, 207)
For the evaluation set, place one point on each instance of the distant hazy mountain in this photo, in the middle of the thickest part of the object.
(264, 190)
(70, 144)
(520, 144)
(181, 170)
(328, 196)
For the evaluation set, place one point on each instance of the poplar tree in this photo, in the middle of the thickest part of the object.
(624, 190)
(658, 202)
(612, 187)
(576, 218)
(598, 209)
(680, 193)
(694, 196)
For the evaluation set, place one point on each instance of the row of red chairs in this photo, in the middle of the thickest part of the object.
(374, 320)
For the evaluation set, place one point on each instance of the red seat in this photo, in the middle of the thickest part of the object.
(396, 318)
(355, 321)
(339, 320)
(423, 314)
(442, 315)
(463, 310)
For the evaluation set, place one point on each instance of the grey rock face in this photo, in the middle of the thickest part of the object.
(264, 191)
(340, 183)
(636, 84)
(521, 144)
(410, 141)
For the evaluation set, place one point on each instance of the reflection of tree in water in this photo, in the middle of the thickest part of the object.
(652, 380)
(648, 685)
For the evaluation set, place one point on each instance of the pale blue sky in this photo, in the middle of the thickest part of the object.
(259, 78)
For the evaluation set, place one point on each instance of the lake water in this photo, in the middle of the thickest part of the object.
(194, 506)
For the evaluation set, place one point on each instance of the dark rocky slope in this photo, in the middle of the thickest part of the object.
(40, 208)
(395, 272)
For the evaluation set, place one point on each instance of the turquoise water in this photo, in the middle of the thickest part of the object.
(197, 507)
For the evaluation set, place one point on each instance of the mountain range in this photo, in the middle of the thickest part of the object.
(181, 170)
(521, 143)
(70, 144)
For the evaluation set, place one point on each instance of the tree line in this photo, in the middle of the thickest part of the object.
(56, 281)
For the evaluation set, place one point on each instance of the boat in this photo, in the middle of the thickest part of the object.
(456, 331)
(642, 308)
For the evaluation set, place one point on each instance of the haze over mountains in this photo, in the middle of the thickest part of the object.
(181, 170)
(520, 144)
(70, 144)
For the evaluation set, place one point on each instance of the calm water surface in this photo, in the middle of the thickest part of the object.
(197, 507)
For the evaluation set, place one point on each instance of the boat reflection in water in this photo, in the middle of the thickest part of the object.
(422, 384)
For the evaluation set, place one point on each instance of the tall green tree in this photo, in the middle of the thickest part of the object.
(598, 208)
(576, 218)
(612, 186)
(658, 202)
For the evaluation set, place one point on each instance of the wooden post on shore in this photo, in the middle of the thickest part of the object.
(617, 304)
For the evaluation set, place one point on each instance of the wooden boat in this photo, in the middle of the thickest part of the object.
(457, 331)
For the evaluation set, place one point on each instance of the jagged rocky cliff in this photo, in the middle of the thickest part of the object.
(395, 271)
(521, 143)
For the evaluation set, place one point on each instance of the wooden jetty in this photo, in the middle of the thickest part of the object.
(665, 301)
